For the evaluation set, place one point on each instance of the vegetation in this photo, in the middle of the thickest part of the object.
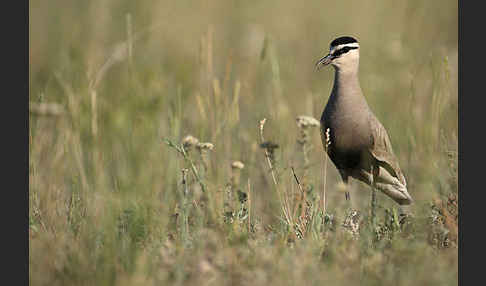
(120, 195)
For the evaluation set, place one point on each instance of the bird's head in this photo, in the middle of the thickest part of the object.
(343, 54)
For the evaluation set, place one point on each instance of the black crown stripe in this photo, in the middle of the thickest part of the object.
(343, 40)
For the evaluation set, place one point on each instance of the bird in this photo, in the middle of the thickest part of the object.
(352, 136)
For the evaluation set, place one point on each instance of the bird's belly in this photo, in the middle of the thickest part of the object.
(350, 140)
(346, 160)
(349, 147)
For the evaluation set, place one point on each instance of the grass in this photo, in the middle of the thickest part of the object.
(117, 195)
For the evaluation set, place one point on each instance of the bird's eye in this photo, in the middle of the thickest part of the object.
(341, 51)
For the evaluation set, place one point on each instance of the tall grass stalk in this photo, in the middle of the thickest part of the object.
(284, 206)
(184, 210)
(249, 206)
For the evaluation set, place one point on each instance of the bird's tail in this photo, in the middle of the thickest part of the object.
(393, 187)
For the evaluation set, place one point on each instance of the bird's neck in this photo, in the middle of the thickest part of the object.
(346, 84)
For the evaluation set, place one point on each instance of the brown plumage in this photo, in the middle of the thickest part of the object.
(359, 144)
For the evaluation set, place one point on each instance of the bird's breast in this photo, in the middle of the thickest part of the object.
(349, 136)
(347, 130)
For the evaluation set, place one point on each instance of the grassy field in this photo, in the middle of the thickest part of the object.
(116, 198)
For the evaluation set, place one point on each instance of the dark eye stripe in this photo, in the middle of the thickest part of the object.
(342, 50)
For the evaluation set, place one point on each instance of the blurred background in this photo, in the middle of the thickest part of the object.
(110, 81)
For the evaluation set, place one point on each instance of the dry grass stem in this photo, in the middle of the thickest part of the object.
(284, 206)
(249, 206)
(128, 17)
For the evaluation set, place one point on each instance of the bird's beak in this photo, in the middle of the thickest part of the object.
(324, 61)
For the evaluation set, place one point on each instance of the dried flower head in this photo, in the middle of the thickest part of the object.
(205, 146)
(189, 141)
(237, 165)
(307, 121)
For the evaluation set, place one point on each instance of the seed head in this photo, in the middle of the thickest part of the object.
(205, 146)
(237, 165)
(189, 141)
(307, 121)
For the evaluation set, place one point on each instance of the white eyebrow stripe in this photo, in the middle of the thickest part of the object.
(338, 47)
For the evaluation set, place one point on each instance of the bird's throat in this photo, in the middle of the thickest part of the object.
(346, 85)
